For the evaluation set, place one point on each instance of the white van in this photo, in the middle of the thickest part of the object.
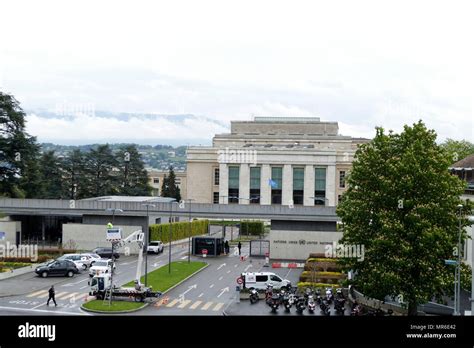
(259, 280)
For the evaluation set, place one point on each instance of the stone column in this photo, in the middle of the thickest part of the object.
(265, 189)
(308, 185)
(287, 185)
(331, 185)
(244, 183)
(223, 183)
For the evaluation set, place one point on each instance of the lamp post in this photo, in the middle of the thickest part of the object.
(171, 233)
(147, 237)
(471, 219)
(113, 210)
(457, 283)
(190, 200)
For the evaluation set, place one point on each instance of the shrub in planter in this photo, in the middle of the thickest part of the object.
(179, 230)
(254, 228)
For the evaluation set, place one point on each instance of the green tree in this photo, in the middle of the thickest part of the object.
(51, 175)
(170, 188)
(401, 205)
(74, 175)
(132, 174)
(99, 169)
(457, 149)
(18, 151)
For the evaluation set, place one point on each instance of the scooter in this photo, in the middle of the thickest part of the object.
(356, 309)
(300, 305)
(253, 296)
(274, 302)
(290, 302)
(268, 292)
(325, 310)
(329, 295)
(318, 296)
(311, 304)
(339, 304)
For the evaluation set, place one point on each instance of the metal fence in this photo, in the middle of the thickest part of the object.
(259, 247)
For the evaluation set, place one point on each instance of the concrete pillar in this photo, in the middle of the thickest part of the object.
(308, 185)
(287, 185)
(331, 185)
(244, 183)
(223, 183)
(265, 189)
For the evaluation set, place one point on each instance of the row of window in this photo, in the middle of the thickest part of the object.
(276, 182)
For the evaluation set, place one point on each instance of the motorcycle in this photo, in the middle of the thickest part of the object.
(339, 305)
(300, 305)
(253, 296)
(329, 295)
(311, 304)
(290, 302)
(356, 309)
(325, 310)
(274, 302)
(318, 296)
(268, 292)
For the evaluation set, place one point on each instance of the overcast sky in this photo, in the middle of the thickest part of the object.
(361, 63)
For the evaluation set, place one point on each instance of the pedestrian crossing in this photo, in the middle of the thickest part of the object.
(189, 304)
(63, 295)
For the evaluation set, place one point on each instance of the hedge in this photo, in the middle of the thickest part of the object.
(255, 228)
(40, 259)
(179, 230)
(316, 285)
(8, 266)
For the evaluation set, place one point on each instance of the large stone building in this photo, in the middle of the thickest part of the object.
(155, 179)
(272, 160)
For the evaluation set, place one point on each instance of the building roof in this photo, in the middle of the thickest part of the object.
(133, 199)
(465, 163)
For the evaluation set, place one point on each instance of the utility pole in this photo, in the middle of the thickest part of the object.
(170, 234)
(113, 210)
(147, 237)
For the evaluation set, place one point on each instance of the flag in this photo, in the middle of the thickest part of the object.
(272, 183)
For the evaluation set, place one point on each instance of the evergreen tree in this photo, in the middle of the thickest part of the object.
(101, 180)
(132, 175)
(170, 188)
(74, 175)
(51, 175)
(401, 205)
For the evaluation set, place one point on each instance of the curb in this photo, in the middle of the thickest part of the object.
(182, 281)
(146, 304)
(18, 271)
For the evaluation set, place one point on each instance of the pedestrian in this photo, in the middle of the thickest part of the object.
(51, 296)
(226, 247)
(240, 247)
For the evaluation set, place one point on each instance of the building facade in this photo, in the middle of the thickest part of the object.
(155, 179)
(273, 161)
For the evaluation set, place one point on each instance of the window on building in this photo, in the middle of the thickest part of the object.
(342, 179)
(298, 185)
(215, 198)
(233, 184)
(277, 178)
(320, 186)
(156, 180)
(216, 176)
(255, 185)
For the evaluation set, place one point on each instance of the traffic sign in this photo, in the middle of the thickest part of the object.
(240, 280)
(204, 252)
(450, 262)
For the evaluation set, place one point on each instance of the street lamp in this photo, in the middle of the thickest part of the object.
(147, 237)
(113, 210)
(471, 219)
(457, 282)
(190, 200)
(171, 233)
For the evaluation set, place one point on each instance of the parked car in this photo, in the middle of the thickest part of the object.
(155, 246)
(260, 280)
(81, 261)
(92, 257)
(101, 266)
(105, 252)
(57, 268)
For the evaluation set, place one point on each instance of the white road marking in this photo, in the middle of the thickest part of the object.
(235, 266)
(184, 257)
(70, 295)
(223, 265)
(211, 286)
(288, 272)
(222, 291)
(172, 303)
(200, 295)
(42, 310)
(58, 296)
(206, 306)
(85, 286)
(36, 293)
(228, 271)
(220, 278)
(195, 305)
(184, 303)
(218, 306)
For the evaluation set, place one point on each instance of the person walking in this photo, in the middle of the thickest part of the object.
(239, 246)
(51, 296)
(226, 247)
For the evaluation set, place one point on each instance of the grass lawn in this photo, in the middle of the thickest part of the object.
(161, 280)
(100, 305)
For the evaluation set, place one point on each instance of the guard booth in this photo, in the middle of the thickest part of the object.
(213, 245)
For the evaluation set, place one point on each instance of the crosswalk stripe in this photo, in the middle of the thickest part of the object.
(172, 303)
(218, 306)
(58, 296)
(195, 305)
(72, 294)
(46, 294)
(184, 303)
(36, 293)
(206, 306)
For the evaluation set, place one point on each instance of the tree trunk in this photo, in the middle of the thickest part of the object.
(412, 309)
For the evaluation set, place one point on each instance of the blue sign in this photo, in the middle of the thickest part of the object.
(2, 235)
(450, 262)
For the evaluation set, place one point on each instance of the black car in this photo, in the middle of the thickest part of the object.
(57, 268)
(105, 253)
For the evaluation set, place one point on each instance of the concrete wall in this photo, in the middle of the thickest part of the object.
(10, 228)
(200, 181)
(297, 245)
(88, 237)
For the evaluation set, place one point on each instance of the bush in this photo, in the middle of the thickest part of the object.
(302, 285)
(179, 230)
(41, 259)
(255, 228)
(56, 251)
